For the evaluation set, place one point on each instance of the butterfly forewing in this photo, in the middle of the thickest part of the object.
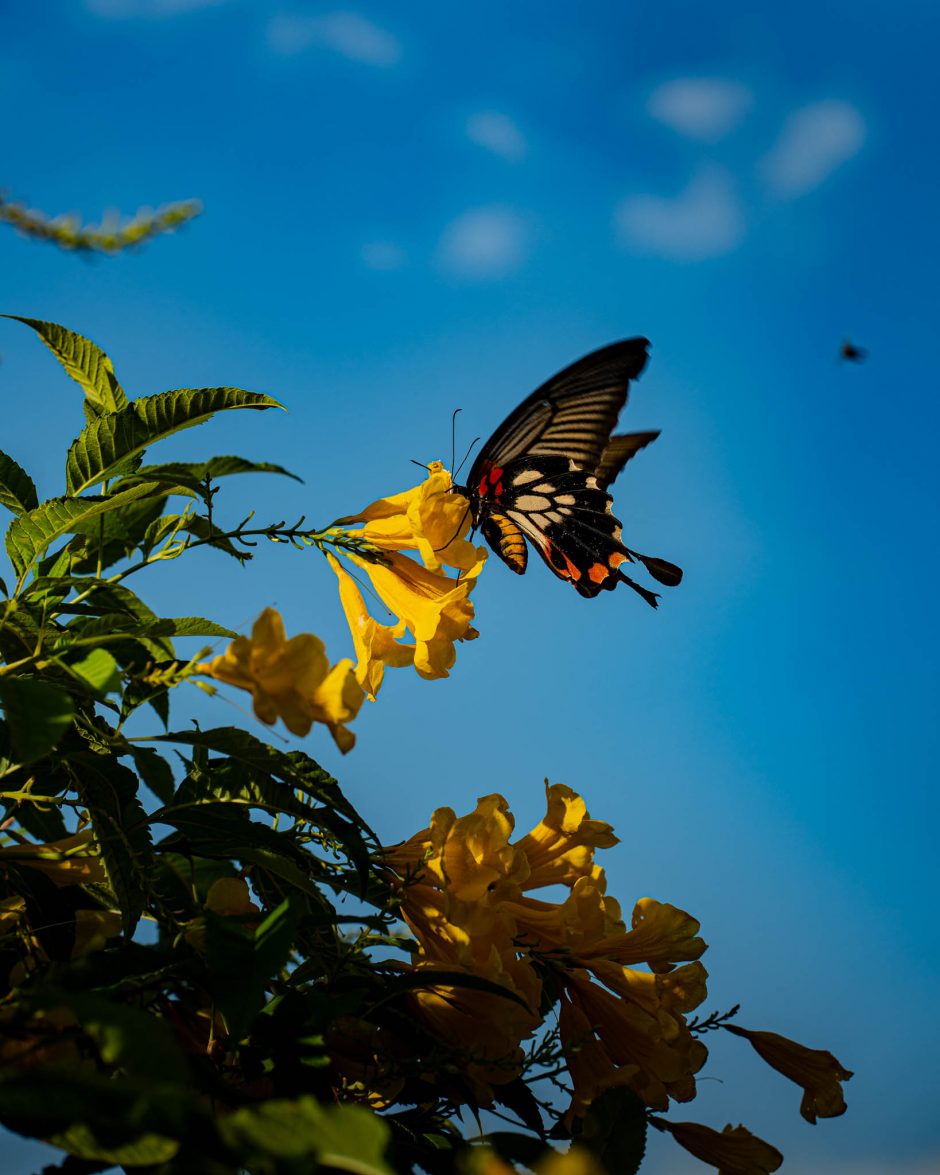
(572, 414)
(543, 476)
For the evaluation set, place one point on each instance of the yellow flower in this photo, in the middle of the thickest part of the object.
(290, 679)
(376, 645)
(817, 1071)
(434, 608)
(734, 1151)
(590, 1068)
(561, 846)
(661, 936)
(74, 860)
(427, 519)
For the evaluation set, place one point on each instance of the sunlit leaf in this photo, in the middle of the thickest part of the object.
(17, 491)
(101, 448)
(348, 1138)
(38, 714)
(100, 670)
(84, 361)
(80, 1140)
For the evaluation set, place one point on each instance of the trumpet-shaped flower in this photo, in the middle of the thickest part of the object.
(734, 1150)
(376, 645)
(561, 846)
(290, 679)
(816, 1070)
(73, 860)
(427, 519)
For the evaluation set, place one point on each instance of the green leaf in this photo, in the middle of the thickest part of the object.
(38, 714)
(85, 362)
(518, 1148)
(103, 446)
(109, 792)
(100, 670)
(193, 474)
(614, 1130)
(17, 491)
(134, 1040)
(114, 536)
(155, 771)
(348, 1138)
(80, 1140)
(241, 963)
(30, 534)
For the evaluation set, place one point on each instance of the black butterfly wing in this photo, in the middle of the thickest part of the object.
(571, 415)
(618, 452)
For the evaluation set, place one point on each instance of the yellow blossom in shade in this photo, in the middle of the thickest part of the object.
(376, 645)
(93, 928)
(230, 897)
(427, 519)
(435, 609)
(73, 860)
(561, 846)
(590, 1068)
(817, 1071)
(290, 679)
(734, 1150)
(661, 936)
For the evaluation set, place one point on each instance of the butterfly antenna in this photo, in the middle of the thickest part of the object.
(420, 464)
(456, 532)
(453, 436)
(465, 456)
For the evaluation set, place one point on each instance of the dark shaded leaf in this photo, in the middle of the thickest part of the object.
(155, 771)
(30, 534)
(614, 1130)
(17, 491)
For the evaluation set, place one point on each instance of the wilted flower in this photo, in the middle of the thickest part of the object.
(734, 1150)
(425, 602)
(290, 679)
(817, 1071)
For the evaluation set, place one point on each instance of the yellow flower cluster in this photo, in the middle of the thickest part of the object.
(465, 888)
(466, 900)
(290, 679)
(423, 600)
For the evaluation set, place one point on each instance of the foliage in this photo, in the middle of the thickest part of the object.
(208, 961)
(112, 235)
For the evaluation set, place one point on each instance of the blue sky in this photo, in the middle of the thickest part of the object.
(417, 207)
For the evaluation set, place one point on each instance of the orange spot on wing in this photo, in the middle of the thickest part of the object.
(598, 573)
(617, 558)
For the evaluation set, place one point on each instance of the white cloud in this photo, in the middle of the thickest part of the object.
(497, 133)
(705, 220)
(481, 243)
(814, 142)
(701, 108)
(385, 255)
(346, 33)
(126, 9)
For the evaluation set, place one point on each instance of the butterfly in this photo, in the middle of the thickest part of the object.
(545, 473)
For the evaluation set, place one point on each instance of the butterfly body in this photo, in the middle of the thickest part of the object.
(543, 476)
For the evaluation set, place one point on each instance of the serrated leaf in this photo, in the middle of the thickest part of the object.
(614, 1130)
(100, 670)
(84, 361)
(38, 715)
(100, 449)
(155, 771)
(17, 491)
(109, 792)
(30, 534)
(193, 473)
